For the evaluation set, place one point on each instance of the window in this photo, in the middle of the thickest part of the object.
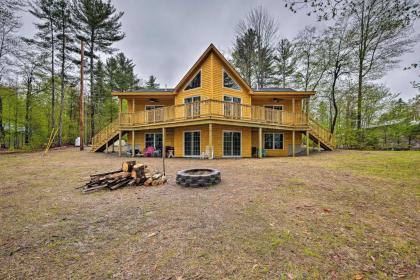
(228, 82)
(231, 144)
(232, 107)
(273, 113)
(153, 115)
(153, 140)
(274, 107)
(273, 141)
(192, 143)
(192, 106)
(232, 99)
(151, 107)
(195, 82)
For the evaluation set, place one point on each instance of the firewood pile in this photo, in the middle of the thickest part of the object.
(130, 174)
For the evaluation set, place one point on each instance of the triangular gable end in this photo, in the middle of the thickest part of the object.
(237, 77)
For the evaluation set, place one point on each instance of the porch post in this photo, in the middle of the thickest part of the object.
(260, 142)
(307, 142)
(319, 145)
(119, 143)
(211, 140)
(293, 143)
(293, 111)
(133, 106)
(133, 150)
(163, 142)
(106, 147)
(307, 111)
(119, 109)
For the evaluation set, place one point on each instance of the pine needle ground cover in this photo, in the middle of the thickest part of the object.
(337, 215)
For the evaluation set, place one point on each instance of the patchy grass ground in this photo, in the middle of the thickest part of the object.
(337, 215)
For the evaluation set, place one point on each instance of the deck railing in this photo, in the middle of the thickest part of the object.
(214, 109)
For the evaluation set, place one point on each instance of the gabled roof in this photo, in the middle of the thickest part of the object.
(197, 64)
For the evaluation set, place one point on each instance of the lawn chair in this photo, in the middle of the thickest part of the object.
(148, 152)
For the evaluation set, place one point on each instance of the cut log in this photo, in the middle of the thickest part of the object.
(127, 166)
(106, 173)
(138, 171)
(120, 184)
(156, 176)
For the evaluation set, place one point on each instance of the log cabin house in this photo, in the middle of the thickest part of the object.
(214, 112)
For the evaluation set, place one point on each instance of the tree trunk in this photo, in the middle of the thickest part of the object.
(15, 145)
(2, 136)
(52, 80)
(92, 92)
(63, 64)
(28, 110)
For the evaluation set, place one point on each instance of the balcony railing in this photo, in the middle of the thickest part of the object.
(216, 110)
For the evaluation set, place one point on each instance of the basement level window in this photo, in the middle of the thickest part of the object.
(195, 82)
(273, 141)
(228, 82)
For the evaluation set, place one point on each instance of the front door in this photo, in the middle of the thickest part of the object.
(231, 144)
(191, 143)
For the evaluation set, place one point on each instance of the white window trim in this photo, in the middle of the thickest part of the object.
(190, 80)
(273, 141)
(223, 143)
(183, 143)
(223, 81)
(154, 138)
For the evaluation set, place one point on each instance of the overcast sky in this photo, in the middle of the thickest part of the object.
(166, 37)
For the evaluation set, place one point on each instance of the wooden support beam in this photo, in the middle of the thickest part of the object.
(211, 140)
(133, 105)
(260, 142)
(307, 142)
(293, 144)
(106, 147)
(133, 150)
(319, 145)
(163, 142)
(119, 109)
(119, 143)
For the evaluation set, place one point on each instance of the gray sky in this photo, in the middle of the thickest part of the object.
(166, 37)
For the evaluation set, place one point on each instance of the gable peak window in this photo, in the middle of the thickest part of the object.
(195, 82)
(228, 82)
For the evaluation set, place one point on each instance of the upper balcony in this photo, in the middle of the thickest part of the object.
(213, 110)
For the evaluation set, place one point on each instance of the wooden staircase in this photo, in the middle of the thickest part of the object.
(318, 133)
(109, 135)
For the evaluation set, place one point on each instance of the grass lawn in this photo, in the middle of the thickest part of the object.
(333, 215)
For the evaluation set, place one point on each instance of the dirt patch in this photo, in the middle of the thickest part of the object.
(331, 215)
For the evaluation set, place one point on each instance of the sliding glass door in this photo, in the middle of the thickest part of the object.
(231, 144)
(191, 143)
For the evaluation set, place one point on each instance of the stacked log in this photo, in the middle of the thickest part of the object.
(131, 174)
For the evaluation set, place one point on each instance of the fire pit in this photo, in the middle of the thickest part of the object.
(198, 177)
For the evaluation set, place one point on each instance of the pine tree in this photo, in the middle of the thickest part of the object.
(99, 26)
(64, 26)
(151, 83)
(244, 54)
(46, 39)
(285, 62)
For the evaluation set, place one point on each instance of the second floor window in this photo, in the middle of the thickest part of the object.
(195, 82)
(228, 82)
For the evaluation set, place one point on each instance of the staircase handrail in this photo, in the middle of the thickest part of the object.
(322, 132)
(104, 134)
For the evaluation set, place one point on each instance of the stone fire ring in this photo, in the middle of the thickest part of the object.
(198, 177)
